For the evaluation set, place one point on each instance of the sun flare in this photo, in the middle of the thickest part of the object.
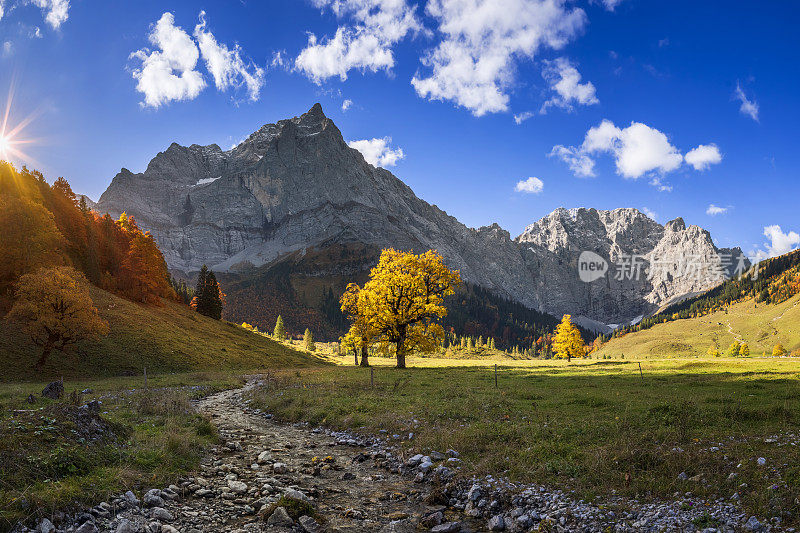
(11, 138)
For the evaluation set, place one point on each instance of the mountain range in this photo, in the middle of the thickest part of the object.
(296, 187)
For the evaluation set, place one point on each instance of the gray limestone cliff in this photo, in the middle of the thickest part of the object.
(297, 184)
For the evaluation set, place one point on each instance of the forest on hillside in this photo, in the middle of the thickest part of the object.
(771, 281)
(43, 225)
(304, 289)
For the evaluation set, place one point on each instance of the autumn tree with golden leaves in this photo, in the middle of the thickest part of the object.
(362, 331)
(568, 342)
(55, 309)
(402, 302)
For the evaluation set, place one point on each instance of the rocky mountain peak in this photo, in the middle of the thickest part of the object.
(675, 225)
(296, 184)
(495, 231)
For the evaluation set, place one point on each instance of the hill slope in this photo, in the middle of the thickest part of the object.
(163, 339)
(760, 325)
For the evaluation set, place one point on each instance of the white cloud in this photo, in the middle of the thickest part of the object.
(168, 73)
(637, 150)
(347, 104)
(565, 80)
(714, 210)
(611, 4)
(579, 163)
(365, 44)
(227, 66)
(56, 12)
(703, 156)
(657, 182)
(377, 151)
(474, 64)
(278, 59)
(8, 48)
(531, 185)
(650, 213)
(2, 10)
(522, 117)
(747, 107)
(780, 242)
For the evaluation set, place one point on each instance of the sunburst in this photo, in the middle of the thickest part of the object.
(12, 138)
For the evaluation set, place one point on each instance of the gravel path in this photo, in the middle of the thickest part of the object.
(349, 483)
(349, 489)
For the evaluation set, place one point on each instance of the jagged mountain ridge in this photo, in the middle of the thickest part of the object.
(296, 184)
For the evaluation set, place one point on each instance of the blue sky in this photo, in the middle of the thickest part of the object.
(682, 108)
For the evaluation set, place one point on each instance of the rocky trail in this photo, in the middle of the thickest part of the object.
(265, 476)
(348, 489)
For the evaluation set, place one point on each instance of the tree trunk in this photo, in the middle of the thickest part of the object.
(355, 356)
(46, 349)
(401, 349)
(364, 355)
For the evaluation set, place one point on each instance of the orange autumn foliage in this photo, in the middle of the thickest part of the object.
(43, 225)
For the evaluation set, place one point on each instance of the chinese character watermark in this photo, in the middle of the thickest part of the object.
(713, 268)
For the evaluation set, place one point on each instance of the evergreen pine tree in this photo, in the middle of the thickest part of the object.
(201, 292)
(308, 340)
(214, 298)
(279, 333)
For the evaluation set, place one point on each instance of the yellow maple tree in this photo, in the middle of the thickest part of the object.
(568, 342)
(362, 332)
(399, 307)
(56, 310)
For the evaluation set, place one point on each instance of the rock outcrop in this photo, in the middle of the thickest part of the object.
(296, 184)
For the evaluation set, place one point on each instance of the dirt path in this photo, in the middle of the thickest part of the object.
(736, 336)
(353, 486)
(349, 493)
(784, 311)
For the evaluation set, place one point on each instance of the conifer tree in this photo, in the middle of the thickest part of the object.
(208, 296)
(279, 333)
(308, 340)
(200, 292)
(214, 297)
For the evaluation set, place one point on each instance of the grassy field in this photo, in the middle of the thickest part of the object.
(172, 338)
(762, 326)
(50, 458)
(597, 427)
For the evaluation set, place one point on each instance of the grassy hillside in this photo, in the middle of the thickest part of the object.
(171, 338)
(760, 325)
